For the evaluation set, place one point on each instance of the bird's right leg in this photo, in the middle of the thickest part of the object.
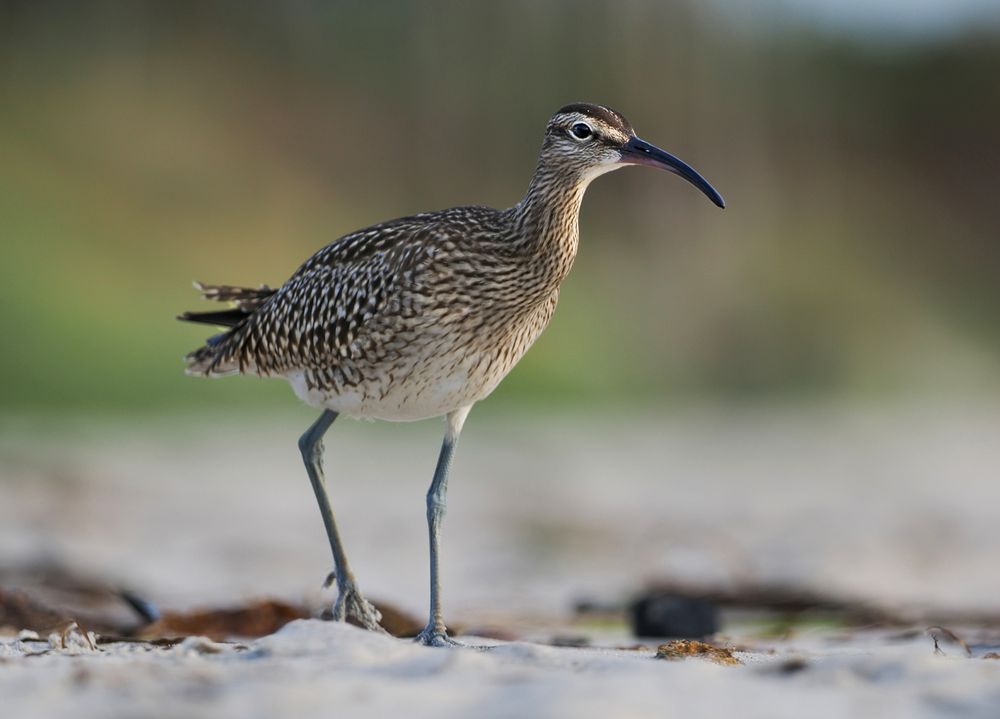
(350, 602)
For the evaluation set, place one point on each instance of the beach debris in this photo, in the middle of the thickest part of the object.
(146, 610)
(64, 593)
(793, 604)
(47, 597)
(20, 612)
(683, 648)
(258, 619)
(941, 635)
(74, 633)
(779, 599)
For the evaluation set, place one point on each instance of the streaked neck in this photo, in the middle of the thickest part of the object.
(547, 217)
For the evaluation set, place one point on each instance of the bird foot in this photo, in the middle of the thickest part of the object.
(351, 604)
(432, 636)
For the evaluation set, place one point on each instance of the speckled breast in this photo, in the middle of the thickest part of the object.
(436, 373)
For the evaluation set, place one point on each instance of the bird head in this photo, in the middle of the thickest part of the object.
(591, 140)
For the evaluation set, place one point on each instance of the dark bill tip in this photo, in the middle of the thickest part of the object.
(640, 152)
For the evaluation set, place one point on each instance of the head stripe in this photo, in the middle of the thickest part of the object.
(599, 112)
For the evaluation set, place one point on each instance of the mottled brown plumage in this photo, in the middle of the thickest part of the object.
(424, 315)
(418, 316)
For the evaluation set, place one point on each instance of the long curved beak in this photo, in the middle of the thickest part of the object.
(640, 152)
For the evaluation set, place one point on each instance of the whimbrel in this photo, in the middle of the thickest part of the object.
(422, 316)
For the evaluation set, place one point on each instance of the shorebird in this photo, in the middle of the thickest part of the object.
(423, 316)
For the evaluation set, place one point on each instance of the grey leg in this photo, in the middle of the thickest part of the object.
(435, 633)
(350, 603)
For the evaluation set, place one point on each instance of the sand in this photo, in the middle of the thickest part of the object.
(895, 507)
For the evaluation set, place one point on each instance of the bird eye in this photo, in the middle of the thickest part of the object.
(581, 131)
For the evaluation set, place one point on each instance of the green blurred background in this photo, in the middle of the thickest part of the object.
(144, 145)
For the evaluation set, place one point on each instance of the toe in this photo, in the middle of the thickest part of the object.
(359, 609)
(432, 638)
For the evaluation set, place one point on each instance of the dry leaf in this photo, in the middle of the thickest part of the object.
(253, 620)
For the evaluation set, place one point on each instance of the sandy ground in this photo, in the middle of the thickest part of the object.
(897, 507)
(319, 669)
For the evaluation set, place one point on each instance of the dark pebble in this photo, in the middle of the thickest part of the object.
(665, 615)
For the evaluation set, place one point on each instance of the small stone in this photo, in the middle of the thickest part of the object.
(794, 665)
(665, 615)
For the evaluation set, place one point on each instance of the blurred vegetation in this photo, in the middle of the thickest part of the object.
(144, 145)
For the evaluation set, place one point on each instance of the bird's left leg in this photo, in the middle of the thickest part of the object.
(435, 633)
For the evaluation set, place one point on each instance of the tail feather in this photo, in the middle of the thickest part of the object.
(246, 301)
(245, 298)
(204, 361)
(222, 318)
